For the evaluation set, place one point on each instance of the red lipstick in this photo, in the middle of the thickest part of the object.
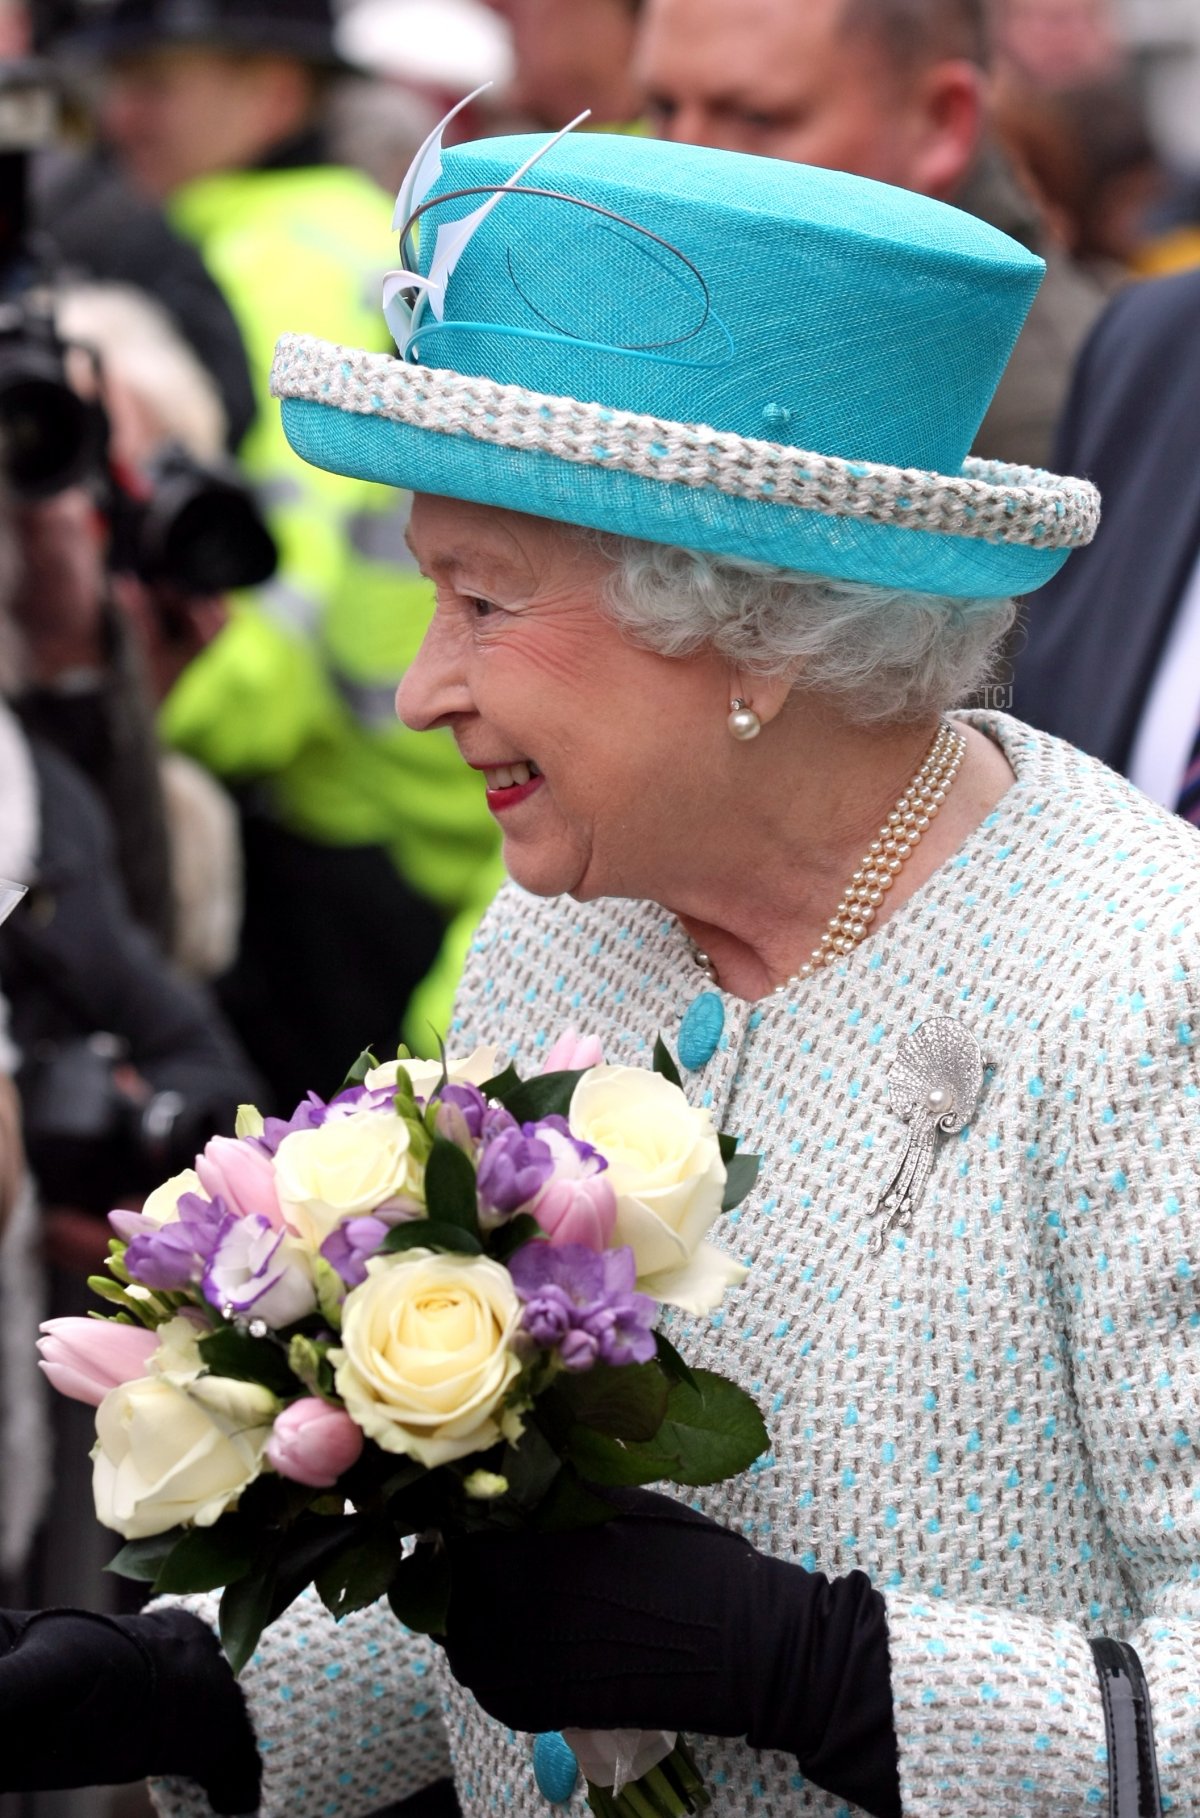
(499, 800)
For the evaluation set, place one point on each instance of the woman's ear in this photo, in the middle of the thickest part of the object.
(764, 695)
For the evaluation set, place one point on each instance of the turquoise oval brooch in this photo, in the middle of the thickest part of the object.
(700, 1030)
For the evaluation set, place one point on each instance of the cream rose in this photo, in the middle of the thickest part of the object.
(664, 1163)
(426, 1357)
(347, 1166)
(164, 1457)
(424, 1075)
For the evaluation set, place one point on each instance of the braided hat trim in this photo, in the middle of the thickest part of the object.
(989, 501)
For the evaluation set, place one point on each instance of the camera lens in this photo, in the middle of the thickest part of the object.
(216, 541)
(47, 435)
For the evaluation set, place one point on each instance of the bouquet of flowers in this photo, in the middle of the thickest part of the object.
(424, 1306)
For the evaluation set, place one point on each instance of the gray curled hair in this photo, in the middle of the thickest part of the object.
(883, 653)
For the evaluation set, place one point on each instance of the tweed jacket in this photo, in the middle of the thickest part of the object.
(995, 1414)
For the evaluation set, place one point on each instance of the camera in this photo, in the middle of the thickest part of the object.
(188, 525)
(50, 437)
(191, 527)
(88, 1141)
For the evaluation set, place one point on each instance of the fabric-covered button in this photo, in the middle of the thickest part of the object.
(700, 1030)
(554, 1767)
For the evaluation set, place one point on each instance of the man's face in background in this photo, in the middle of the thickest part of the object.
(178, 112)
(786, 79)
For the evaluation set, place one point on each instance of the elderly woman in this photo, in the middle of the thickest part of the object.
(702, 638)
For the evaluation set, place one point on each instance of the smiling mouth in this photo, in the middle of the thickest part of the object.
(511, 776)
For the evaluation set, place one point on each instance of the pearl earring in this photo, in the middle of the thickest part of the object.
(743, 722)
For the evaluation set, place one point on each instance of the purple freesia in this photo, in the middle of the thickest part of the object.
(514, 1166)
(349, 1248)
(309, 1115)
(584, 1304)
(313, 1111)
(361, 1098)
(461, 1112)
(175, 1255)
(252, 1269)
(129, 1225)
(496, 1121)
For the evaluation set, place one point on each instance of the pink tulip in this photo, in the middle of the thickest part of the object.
(243, 1175)
(313, 1443)
(573, 1051)
(85, 1358)
(577, 1211)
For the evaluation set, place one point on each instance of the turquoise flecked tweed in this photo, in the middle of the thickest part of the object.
(767, 301)
(994, 1417)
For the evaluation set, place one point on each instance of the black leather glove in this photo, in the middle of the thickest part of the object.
(90, 1700)
(661, 1619)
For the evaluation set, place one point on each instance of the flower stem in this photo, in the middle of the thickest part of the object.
(671, 1790)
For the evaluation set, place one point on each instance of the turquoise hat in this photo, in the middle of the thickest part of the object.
(733, 354)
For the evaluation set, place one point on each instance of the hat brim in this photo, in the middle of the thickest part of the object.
(427, 430)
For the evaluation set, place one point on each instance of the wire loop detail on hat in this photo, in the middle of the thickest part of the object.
(989, 502)
(702, 301)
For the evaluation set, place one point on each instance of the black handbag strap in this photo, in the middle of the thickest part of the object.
(1133, 1789)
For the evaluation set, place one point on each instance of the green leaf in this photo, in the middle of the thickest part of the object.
(501, 1084)
(507, 1239)
(420, 1142)
(331, 1292)
(358, 1072)
(404, 1098)
(143, 1559)
(450, 1187)
(602, 1460)
(740, 1176)
(361, 1572)
(146, 1312)
(116, 1264)
(671, 1363)
(430, 1234)
(208, 1558)
(306, 1546)
(530, 1464)
(546, 1095)
(727, 1145)
(420, 1591)
(628, 1401)
(664, 1063)
(406, 1473)
(712, 1431)
(570, 1504)
(228, 1352)
(245, 1611)
(308, 1360)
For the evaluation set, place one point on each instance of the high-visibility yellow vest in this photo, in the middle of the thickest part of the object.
(298, 690)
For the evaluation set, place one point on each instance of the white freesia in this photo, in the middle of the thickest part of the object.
(178, 1356)
(664, 1163)
(344, 1168)
(426, 1359)
(261, 1272)
(425, 1075)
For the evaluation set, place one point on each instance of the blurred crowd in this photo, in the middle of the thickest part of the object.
(241, 869)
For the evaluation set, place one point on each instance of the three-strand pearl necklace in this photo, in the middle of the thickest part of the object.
(883, 860)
